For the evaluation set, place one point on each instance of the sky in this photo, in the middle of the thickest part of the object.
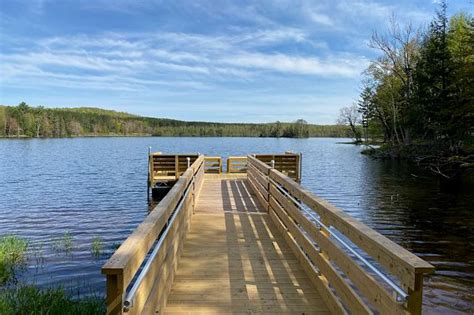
(227, 61)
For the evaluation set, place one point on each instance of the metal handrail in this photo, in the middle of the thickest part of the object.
(130, 296)
(402, 296)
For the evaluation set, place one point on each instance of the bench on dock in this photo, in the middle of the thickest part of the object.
(253, 240)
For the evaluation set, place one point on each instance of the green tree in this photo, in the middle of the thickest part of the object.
(461, 46)
(351, 116)
(3, 121)
(435, 79)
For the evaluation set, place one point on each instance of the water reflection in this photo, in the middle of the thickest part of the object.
(432, 218)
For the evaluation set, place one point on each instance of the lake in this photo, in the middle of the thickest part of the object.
(63, 195)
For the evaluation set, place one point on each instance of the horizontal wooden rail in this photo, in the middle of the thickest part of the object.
(167, 167)
(257, 175)
(125, 263)
(318, 232)
(237, 164)
(213, 164)
(288, 163)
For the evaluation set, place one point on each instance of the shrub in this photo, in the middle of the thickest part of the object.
(28, 299)
(12, 255)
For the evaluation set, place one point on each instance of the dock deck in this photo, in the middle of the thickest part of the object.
(234, 259)
(253, 240)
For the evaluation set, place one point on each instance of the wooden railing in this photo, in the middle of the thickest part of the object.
(354, 268)
(237, 164)
(141, 271)
(167, 166)
(288, 163)
(213, 164)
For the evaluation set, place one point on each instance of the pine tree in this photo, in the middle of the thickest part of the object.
(434, 79)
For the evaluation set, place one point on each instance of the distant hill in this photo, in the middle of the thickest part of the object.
(26, 121)
(98, 111)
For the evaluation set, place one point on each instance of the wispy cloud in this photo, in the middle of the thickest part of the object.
(321, 18)
(177, 54)
(201, 54)
(300, 65)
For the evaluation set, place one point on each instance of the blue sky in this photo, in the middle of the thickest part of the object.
(231, 61)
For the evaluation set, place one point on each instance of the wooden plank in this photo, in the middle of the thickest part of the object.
(198, 163)
(236, 164)
(263, 189)
(319, 281)
(115, 289)
(345, 292)
(262, 167)
(392, 256)
(236, 263)
(263, 202)
(376, 294)
(166, 281)
(213, 164)
(414, 303)
(261, 178)
(161, 261)
(129, 256)
(162, 284)
(176, 166)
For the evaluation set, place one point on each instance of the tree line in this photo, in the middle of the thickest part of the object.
(40, 122)
(420, 91)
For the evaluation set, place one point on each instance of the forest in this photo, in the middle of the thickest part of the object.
(418, 95)
(40, 122)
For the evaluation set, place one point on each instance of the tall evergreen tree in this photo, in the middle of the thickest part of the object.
(434, 80)
(461, 46)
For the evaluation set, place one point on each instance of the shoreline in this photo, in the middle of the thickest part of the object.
(24, 137)
(436, 160)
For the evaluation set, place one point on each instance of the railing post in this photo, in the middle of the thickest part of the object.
(272, 162)
(176, 166)
(115, 290)
(194, 186)
(194, 194)
(415, 296)
(150, 171)
(300, 165)
(189, 161)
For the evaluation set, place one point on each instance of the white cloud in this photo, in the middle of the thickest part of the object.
(177, 55)
(321, 18)
(299, 65)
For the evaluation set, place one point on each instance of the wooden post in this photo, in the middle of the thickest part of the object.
(150, 171)
(176, 166)
(415, 297)
(115, 290)
(300, 166)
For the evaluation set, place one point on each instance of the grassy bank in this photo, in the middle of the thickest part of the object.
(12, 256)
(18, 299)
(28, 299)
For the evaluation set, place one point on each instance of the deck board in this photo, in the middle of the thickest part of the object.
(235, 262)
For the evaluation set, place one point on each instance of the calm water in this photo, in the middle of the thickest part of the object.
(96, 187)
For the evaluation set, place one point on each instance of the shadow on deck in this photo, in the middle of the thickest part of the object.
(235, 261)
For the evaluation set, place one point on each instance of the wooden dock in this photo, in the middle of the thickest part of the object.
(235, 260)
(252, 240)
